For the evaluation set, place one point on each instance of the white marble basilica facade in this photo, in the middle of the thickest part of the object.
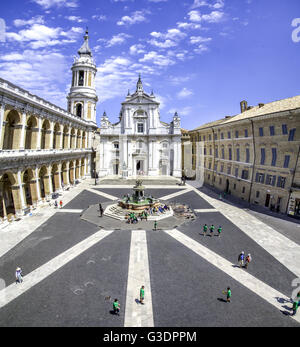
(140, 143)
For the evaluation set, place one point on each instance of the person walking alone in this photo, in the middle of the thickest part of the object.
(116, 307)
(228, 294)
(101, 210)
(241, 259)
(155, 225)
(212, 229)
(142, 295)
(19, 278)
(60, 203)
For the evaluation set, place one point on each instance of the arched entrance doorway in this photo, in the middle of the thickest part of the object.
(55, 178)
(56, 136)
(30, 141)
(11, 138)
(65, 137)
(7, 205)
(29, 187)
(45, 135)
(73, 138)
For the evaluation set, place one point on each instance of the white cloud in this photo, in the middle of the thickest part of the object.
(34, 20)
(137, 49)
(184, 25)
(136, 17)
(199, 39)
(213, 17)
(46, 4)
(75, 19)
(39, 35)
(99, 17)
(118, 39)
(184, 93)
(27, 70)
(169, 39)
(185, 111)
(201, 3)
(157, 59)
(201, 49)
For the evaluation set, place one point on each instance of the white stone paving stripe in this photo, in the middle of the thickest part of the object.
(104, 195)
(280, 247)
(173, 195)
(68, 211)
(258, 287)
(15, 290)
(203, 210)
(18, 231)
(136, 314)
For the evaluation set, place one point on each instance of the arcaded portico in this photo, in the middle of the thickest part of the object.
(44, 149)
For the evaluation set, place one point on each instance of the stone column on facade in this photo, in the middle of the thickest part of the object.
(4, 209)
(61, 137)
(21, 191)
(69, 139)
(37, 182)
(23, 132)
(151, 155)
(65, 175)
(51, 135)
(33, 191)
(89, 139)
(48, 179)
(74, 171)
(89, 164)
(2, 111)
(57, 180)
(79, 141)
(85, 166)
(39, 134)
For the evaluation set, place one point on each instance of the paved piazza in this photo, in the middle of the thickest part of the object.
(73, 269)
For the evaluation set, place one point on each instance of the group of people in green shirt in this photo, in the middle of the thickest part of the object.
(211, 229)
(116, 304)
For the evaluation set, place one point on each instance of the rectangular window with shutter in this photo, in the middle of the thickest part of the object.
(263, 156)
(247, 155)
(274, 156)
(286, 161)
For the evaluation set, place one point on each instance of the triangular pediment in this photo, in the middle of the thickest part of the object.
(141, 100)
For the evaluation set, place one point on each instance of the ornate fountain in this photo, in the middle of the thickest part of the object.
(138, 201)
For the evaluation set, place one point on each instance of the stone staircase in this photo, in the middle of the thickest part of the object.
(116, 212)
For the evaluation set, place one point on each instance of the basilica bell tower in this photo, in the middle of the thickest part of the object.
(82, 99)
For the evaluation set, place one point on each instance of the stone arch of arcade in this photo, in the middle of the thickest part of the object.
(32, 185)
(33, 132)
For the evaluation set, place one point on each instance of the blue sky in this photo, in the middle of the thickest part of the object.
(200, 57)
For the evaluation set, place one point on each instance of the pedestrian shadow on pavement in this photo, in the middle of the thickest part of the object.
(283, 301)
(112, 312)
(222, 300)
(234, 265)
(286, 313)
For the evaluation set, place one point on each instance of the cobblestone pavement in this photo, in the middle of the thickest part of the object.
(73, 269)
